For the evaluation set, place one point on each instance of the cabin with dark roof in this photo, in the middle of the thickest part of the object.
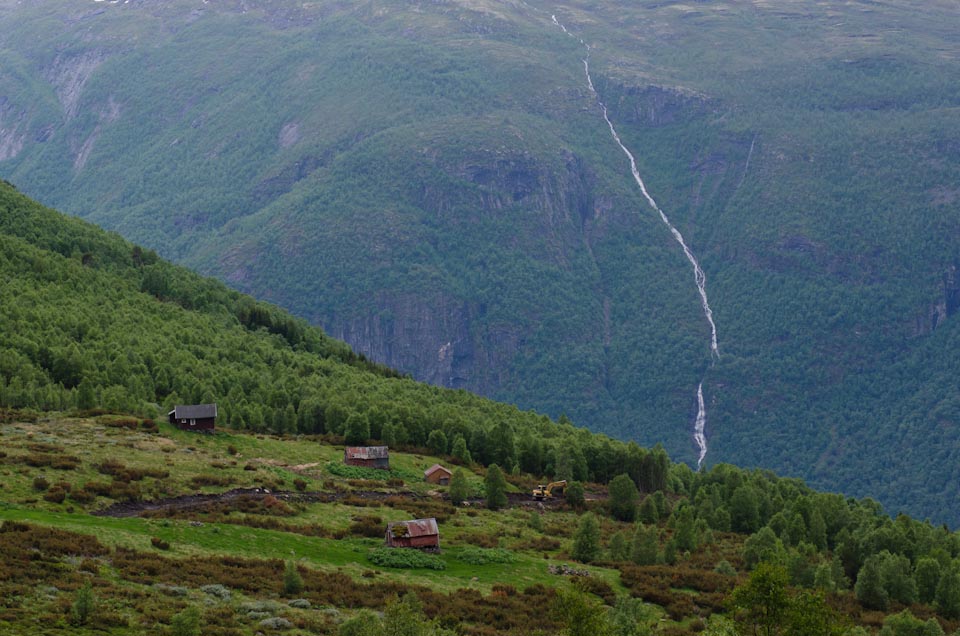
(422, 534)
(194, 417)
(367, 456)
(437, 474)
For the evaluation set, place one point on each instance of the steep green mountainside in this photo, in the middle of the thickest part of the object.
(92, 321)
(436, 185)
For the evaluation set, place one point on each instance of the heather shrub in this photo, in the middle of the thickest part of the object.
(159, 543)
(371, 527)
(55, 495)
(292, 581)
(480, 556)
(198, 481)
(405, 558)
(217, 590)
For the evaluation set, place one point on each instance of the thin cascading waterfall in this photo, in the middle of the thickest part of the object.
(700, 424)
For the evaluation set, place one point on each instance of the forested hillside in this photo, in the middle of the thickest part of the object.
(435, 184)
(90, 320)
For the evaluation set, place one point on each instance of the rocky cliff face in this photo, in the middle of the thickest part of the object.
(545, 209)
(436, 338)
(943, 307)
(12, 133)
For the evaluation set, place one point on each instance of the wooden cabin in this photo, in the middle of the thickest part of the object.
(194, 417)
(367, 456)
(422, 534)
(437, 474)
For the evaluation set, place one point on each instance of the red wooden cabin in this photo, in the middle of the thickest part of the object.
(418, 533)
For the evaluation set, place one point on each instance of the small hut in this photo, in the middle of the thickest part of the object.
(194, 417)
(422, 534)
(367, 456)
(437, 474)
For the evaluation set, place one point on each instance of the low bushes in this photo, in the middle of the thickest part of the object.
(55, 495)
(361, 472)
(121, 472)
(117, 490)
(480, 556)
(159, 543)
(423, 508)
(405, 558)
(198, 481)
(46, 460)
(367, 527)
(81, 496)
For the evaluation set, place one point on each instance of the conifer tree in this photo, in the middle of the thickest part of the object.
(648, 510)
(869, 588)
(586, 540)
(762, 546)
(292, 581)
(617, 548)
(437, 442)
(745, 510)
(685, 532)
(357, 429)
(948, 594)
(645, 547)
(496, 488)
(927, 576)
(574, 495)
(898, 578)
(823, 578)
(459, 449)
(503, 449)
(84, 605)
(459, 488)
(670, 552)
(623, 498)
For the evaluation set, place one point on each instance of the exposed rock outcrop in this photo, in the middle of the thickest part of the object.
(12, 135)
(944, 307)
(69, 74)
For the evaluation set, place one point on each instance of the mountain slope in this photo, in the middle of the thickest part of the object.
(435, 185)
(92, 321)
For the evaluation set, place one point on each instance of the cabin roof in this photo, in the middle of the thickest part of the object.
(193, 411)
(367, 452)
(434, 469)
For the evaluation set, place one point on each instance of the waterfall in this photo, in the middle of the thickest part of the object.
(699, 435)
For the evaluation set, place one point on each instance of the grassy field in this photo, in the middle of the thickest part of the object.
(324, 538)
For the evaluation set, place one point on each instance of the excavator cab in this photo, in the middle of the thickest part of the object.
(551, 490)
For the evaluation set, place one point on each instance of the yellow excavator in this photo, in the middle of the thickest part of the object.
(551, 490)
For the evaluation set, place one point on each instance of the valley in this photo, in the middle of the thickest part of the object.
(435, 185)
(180, 458)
